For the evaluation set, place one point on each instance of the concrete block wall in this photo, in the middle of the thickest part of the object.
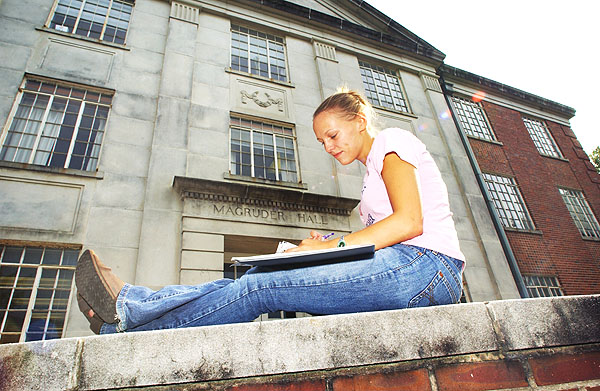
(555, 247)
(544, 344)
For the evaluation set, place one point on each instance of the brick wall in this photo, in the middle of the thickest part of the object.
(555, 247)
(562, 369)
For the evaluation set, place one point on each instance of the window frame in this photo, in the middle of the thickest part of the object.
(293, 137)
(106, 17)
(17, 103)
(543, 138)
(34, 290)
(534, 289)
(503, 213)
(479, 133)
(586, 210)
(405, 107)
(266, 36)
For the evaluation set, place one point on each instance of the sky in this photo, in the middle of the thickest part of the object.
(547, 48)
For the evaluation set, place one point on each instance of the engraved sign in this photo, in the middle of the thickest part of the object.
(257, 204)
(264, 215)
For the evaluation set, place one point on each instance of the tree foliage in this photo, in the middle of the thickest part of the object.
(595, 156)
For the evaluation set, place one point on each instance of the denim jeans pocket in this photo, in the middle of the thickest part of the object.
(438, 291)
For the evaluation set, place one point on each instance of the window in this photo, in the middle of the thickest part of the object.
(35, 289)
(541, 137)
(472, 118)
(107, 20)
(383, 87)
(540, 286)
(264, 52)
(581, 213)
(263, 150)
(56, 125)
(508, 202)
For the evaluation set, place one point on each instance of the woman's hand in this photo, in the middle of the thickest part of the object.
(315, 242)
(316, 235)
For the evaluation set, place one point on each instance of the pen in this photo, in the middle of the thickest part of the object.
(324, 237)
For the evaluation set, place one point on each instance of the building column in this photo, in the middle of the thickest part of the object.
(158, 260)
(487, 273)
(330, 79)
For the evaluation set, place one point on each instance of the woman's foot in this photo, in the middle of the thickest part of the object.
(98, 287)
(95, 321)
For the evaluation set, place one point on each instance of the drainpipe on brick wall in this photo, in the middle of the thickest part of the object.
(510, 257)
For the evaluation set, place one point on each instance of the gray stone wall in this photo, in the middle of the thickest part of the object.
(476, 335)
(173, 94)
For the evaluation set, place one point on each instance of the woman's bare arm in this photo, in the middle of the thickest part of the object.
(406, 220)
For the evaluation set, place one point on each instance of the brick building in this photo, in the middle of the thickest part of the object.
(544, 188)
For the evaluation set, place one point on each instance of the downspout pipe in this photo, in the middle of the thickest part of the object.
(510, 257)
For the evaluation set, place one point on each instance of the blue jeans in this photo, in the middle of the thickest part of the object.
(398, 276)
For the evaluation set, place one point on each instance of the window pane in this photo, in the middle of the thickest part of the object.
(5, 294)
(26, 277)
(8, 274)
(12, 254)
(43, 297)
(14, 321)
(19, 299)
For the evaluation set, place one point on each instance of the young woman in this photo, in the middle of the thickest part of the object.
(404, 206)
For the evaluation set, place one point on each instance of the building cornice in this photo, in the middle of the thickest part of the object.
(450, 73)
(263, 195)
(399, 38)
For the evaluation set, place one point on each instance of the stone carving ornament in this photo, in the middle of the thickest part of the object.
(262, 103)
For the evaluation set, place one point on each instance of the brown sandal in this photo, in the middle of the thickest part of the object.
(98, 286)
(95, 321)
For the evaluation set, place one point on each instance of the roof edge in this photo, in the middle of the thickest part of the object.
(413, 45)
(489, 84)
(392, 24)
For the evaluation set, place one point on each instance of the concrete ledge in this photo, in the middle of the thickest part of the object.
(530, 324)
(298, 345)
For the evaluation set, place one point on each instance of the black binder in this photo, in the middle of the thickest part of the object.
(305, 258)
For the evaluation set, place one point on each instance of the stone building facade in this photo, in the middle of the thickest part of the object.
(542, 184)
(169, 136)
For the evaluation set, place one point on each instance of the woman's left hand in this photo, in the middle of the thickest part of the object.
(312, 244)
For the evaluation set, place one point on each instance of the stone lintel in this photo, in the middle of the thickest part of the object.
(262, 194)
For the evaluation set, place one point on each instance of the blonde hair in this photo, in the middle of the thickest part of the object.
(349, 103)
